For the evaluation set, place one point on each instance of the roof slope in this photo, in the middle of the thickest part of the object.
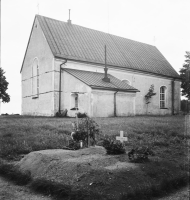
(79, 43)
(94, 80)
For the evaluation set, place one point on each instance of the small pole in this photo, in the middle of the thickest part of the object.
(77, 120)
(106, 79)
(105, 57)
(69, 20)
(106, 69)
(87, 135)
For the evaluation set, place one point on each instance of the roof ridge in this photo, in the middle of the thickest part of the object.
(97, 30)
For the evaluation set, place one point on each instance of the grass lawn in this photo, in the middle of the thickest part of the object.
(165, 134)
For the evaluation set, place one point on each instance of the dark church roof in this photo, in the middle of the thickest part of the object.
(78, 43)
(94, 80)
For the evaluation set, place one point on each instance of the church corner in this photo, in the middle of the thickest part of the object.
(37, 74)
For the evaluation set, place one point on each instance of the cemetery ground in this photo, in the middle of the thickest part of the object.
(90, 173)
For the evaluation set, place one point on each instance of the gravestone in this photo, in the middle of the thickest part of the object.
(121, 138)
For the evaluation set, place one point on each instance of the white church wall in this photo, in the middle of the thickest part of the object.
(70, 85)
(96, 103)
(38, 50)
(38, 106)
(103, 103)
(125, 104)
(142, 82)
(78, 65)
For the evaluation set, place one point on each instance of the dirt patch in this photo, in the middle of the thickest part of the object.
(121, 165)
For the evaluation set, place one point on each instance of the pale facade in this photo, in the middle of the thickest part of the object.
(41, 94)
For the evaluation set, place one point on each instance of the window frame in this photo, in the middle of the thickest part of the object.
(163, 97)
(74, 101)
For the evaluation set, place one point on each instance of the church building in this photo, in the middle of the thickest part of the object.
(71, 68)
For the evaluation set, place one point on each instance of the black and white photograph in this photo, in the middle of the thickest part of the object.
(94, 99)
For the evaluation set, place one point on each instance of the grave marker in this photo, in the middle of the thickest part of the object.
(121, 138)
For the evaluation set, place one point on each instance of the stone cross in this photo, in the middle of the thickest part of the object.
(121, 138)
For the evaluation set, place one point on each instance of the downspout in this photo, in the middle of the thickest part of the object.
(173, 96)
(60, 86)
(115, 105)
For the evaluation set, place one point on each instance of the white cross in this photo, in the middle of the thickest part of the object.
(121, 138)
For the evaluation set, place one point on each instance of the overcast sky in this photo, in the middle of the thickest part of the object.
(163, 23)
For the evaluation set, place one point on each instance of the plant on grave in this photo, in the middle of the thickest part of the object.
(140, 153)
(73, 145)
(81, 115)
(149, 95)
(86, 131)
(113, 146)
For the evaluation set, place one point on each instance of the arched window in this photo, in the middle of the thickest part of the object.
(126, 81)
(163, 97)
(35, 79)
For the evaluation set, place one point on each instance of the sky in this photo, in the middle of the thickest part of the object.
(162, 23)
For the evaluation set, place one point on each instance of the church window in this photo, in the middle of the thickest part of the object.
(163, 97)
(126, 81)
(35, 79)
(76, 101)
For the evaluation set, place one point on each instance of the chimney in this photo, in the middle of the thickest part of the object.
(69, 21)
(106, 79)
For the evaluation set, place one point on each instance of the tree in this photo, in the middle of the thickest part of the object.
(185, 76)
(149, 95)
(3, 87)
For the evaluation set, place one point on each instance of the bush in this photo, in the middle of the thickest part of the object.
(185, 104)
(87, 131)
(74, 145)
(61, 113)
(140, 154)
(81, 115)
(79, 135)
(113, 146)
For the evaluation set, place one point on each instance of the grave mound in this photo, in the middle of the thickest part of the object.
(69, 167)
